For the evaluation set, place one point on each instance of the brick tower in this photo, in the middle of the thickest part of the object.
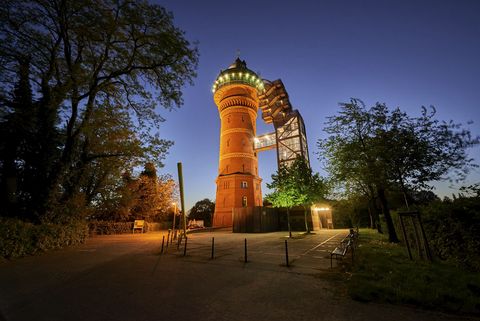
(238, 184)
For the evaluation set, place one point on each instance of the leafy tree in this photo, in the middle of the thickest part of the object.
(87, 60)
(285, 192)
(377, 149)
(154, 195)
(203, 210)
(147, 197)
(311, 188)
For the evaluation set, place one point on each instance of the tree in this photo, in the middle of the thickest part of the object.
(378, 149)
(285, 192)
(203, 210)
(88, 59)
(311, 188)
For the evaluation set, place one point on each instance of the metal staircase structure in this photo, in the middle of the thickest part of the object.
(289, 137)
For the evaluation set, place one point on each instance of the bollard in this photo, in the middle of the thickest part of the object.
(185, 248)
(168, 238)
(246, 259)
(163, 242)
(286, 253)
(213, 248)
(179, 241)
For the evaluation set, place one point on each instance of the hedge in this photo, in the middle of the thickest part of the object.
(18, 238)
(109, 227)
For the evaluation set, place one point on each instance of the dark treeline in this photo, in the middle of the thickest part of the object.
(80, 82)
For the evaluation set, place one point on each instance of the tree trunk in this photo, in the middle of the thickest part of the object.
(392, 235)
(372, 220)
(288, 222)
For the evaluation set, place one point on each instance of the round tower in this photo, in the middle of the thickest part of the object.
(238, 184)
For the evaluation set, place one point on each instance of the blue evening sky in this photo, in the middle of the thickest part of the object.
(403, 53)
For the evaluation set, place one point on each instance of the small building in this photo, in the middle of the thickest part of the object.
(261, 219)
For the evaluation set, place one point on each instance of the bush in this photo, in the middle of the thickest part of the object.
(110, 227)
(18, 238)
(453, 230)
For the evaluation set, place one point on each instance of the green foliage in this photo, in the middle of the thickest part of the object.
(18, 238)
(348, 213)
(383, 273)
(453, 230)
(203, 210)
(375, 151)
(296, 185)
(99, 70)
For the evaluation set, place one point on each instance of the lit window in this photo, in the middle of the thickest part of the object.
(244, 184)
(244, 201)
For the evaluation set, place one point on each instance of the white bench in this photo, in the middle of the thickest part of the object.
(138, 225)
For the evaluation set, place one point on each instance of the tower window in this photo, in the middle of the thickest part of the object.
(243, 119)
(228, 142)
(244, 201)
(243, 184)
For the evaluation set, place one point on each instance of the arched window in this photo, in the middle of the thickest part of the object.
(228, 142)
(243, 184)
(244, 201)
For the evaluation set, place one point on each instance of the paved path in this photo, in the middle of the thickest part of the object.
(125, 278)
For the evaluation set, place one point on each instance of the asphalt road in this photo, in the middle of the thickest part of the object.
(125, 277)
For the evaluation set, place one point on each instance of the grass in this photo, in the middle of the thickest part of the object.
(383, 273)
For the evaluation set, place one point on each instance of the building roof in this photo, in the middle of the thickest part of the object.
(237, 72)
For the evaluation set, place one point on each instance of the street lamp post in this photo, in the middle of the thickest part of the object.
(174, 215)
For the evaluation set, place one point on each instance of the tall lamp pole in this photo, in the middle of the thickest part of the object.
(182, 201)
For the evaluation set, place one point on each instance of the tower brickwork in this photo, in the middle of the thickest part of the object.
(238, 184)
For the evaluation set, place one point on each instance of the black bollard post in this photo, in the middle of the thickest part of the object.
(185, 248)
(213, 248)
(286, 253)
(246, 259)
(163, 242)
(168, 238)
(179, 241)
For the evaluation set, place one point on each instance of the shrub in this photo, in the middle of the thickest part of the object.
(109, 227)
(18, 238)
(453, 230)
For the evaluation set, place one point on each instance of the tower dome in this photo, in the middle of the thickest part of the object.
(238, 73)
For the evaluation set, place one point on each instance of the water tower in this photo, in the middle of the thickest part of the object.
(235, 93)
